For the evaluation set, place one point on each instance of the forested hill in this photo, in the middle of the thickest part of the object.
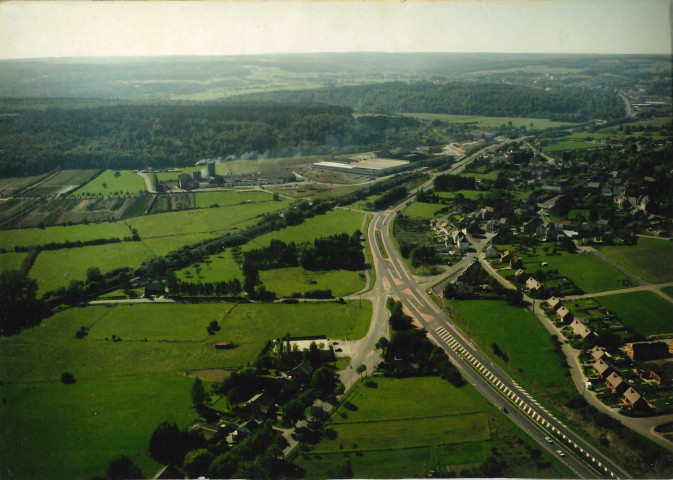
(136, 135)
(564, 104)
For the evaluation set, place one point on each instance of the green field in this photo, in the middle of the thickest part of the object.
(286, 281)
(403, 428)
(469, 194)
(73, 431)
(668, 291)
(26, 237)
(422, 210)
(490, 122)
(331, 223)
(651, 259)
(11, 260)
(161, 338)
(518, 333)
(587, 271)
(160, 246)
(208, 199)
(215, 268)
(646, 312)
(108, 184)
(569, 145)
(56, 268)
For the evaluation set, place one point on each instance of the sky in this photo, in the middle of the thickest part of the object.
(226, 27)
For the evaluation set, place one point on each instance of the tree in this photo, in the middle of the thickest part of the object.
(93, 275)
(382, 344)
(20, 308)
(197, 462)
(361, 369)
(123, 468)
(167, 445)
(345, 470)
(67, 378)
(198, 392)
(293, 411)
(318, 414)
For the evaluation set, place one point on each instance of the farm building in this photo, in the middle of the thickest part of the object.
(186, 182)
(224, 345)
(375, 167)
(643, 351)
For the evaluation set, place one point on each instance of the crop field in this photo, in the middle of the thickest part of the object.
(203, 220)
(569, 145)
(403, 428)
(651, 259)
(331, 223)
(161, 338)
(587, 271)
(518, 333)
(220, 199)
(422, 210)
(286, 281)
(646, 312)
(490, 122)
(26, 237)
(9, 186)
(60, 181)
(56, 268)
(11, 260)
(109, 183)
(215, 268)
(46, 426)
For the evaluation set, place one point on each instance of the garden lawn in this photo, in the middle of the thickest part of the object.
(651, 259)
(333, 222)
(109, 184)
(56, 268)
(518, 333)
(208, 199)
(589, 272)
(286, 281)
(27, 237)
(569, 145)
(469, 194)
(422, 210)
(73, 431)
(159, 338)
(646, 312)
(11, 260)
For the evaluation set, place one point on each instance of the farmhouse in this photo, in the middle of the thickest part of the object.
(633, 399)
(564, 314)
(616, 383)
(186, 182)
(375, 167)
(554, 303)
(643, 351)
(602, 368)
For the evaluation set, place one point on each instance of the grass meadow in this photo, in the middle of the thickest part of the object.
(56, 268)
(469, 194)
(27, 237)
(11, 260)
(109, 184)
(569, 145)
(403, 428)
(286, 281)
(651, 259)
(518, 333)
(490, 122)
(208, 199)
(422, 210)
(646, 312)
(215, 268)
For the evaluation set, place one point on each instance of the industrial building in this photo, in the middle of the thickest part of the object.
(375, 167)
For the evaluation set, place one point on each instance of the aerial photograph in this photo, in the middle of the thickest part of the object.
(322, 239)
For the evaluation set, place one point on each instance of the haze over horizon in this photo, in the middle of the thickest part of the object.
(57, 29)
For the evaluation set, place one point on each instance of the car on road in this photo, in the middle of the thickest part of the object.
(560, 453)
(504, 409)
(549, 440)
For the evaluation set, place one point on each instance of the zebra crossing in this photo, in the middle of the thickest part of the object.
(523, 405)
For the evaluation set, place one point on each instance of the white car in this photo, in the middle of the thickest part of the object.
(560, 453)
(549, 440)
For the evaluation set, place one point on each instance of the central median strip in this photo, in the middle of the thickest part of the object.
(380, 245)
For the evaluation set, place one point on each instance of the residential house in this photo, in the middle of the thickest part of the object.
(616, 383)
(533, 285)
(491, 226)
(244, 430)
(580, 329)
(654, 375)
(186, 182)
(554, 303)
(643, 351)
(564, 314)
(303, 371)
(492, 252)
(505, 256)
(521, 274)
(260, 403)
(603, 225)
(597, 353)
(531, 226)
(154, 288)
(634, 399)
(515, 262)
(602, 368)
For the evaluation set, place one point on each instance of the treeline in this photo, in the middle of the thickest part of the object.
(75, 244)
(327, 253)
(131, 136)
(565, 104)
(451, 183)
(220, 289)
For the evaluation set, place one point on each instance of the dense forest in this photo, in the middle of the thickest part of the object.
(565, 104)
